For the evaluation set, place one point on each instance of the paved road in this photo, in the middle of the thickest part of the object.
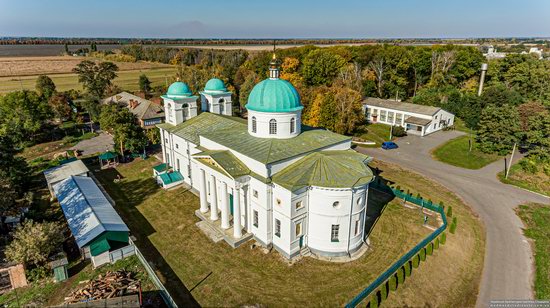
(98, 144)
(508, 268)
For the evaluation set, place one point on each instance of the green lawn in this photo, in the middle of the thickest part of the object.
(456, 152)
(128, 80)
(374, 132)
(46, 292)
(536, 218)
(537, 182)
(164, 224)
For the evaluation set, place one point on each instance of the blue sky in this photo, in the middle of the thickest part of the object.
(275, 18)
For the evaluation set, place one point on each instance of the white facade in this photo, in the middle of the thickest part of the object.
(274, 124)
(178, 110)
(218, 103)
(417, 123)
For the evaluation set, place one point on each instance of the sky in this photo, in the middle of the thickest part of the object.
(276, 18)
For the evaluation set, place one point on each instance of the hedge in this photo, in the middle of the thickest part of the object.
(374, 301)
(384, 291)
(450, 211)
(400, 276)
(416, 261)
(430, 249)
(393, 283)
(408, 269)
(423, 254)
(453, 226)
(436, 243)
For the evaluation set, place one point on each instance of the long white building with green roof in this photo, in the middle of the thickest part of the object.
(291, 187)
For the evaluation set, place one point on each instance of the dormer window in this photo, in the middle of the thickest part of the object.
(272, 127)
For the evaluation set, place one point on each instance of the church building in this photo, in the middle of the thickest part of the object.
(295, 188)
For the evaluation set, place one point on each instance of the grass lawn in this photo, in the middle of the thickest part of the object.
(47, 292)
(374, 132)
(456, 152)
(127, 80)
(536, 218)
(164, 224)
(538, 182)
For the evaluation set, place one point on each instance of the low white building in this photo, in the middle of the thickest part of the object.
(416, 119)
(290, 187)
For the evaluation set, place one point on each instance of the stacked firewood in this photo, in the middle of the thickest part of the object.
(112, 284)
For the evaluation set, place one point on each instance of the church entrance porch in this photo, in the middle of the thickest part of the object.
(214, 230)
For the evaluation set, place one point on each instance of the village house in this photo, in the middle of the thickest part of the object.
(297, 189)
(148, 113)
(416, 119)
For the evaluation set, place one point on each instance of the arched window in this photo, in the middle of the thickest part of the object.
(221, 101)
(292, 125)
(272, 127)
(253, 124)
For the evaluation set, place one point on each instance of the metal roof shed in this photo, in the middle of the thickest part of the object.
(59, 173)
(93, 221)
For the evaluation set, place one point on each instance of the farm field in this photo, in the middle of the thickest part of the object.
(127, 80)
(164, 224)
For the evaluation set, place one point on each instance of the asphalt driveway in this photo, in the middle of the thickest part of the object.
(98, 144)
(508, 268)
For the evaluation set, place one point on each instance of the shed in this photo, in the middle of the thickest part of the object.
(94, 223)
(59, 267)
(65, 170)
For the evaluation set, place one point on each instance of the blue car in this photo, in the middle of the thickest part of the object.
(388, 145)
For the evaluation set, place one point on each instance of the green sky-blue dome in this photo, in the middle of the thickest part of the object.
(178, 89)
(215, 84)
(274, 95)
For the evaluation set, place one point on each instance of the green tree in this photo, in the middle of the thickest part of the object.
(24, 114)
(45, 86)
(34, 242)
(96, 77)
(443, 238)
(320, 67)
(144, 84)
(348, 110)
(499, 129)
(453, 225)
(59, 104)
(538, 136)
(450, 211)
(123, 125)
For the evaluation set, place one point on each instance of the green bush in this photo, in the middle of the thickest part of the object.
(384, 291)
(436, 243)
(408, 269)
(423, 254)
(529, 165)
(418, 196)
(374, 301)
(453, 226)
(450, 211)
(546, 169)
(400, 276)
(430, 249)
(416, 261)
(399, 131)
(393, 283)
(37, 273)
(443, 238)
(441, 205)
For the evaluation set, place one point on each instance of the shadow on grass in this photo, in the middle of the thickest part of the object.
(380, 194)
(127, 195)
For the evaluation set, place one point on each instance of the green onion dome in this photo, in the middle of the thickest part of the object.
(178, 89)
(274, 95)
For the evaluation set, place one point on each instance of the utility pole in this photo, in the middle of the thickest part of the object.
(484, 67)
(391, 132)
(511, 159)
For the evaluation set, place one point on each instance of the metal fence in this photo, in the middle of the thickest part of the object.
(163, 291)
(411, 253)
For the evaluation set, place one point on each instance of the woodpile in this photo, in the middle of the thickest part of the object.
(112, 284)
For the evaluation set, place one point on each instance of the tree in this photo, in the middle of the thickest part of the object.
(96, 77)
(8, 201)
(59, 104)
(499, 129)
(538, 136)
(23, 115)
(34, 242)
(348, 110)
(527, 111)
(144, 84)
(122, 124)
(45, 86)
(321, 67)
(377, 66)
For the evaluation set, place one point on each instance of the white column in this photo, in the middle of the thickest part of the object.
(237, 228)
(225, 207)
(213, 199)
(204, 202)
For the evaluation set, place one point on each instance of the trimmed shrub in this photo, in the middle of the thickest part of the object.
(453, 226)
(384, 292)
(393, 283)
(398, 187)
(399, 131)
(408, 192)
(423, 254)
(374, 301)
(400, 276)
(416, 261)
(436, 243)
(443, 238)
(408, 268)
(450, 211)
(418, 196)
(441, 204)
(430, 249)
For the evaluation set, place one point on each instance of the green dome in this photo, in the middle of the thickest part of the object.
(178, 89)
(274, 95)
(215, 85)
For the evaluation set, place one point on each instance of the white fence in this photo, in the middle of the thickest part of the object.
(113, 256)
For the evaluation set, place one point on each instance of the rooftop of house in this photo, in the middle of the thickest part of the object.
(232, 132)
(143, 109)
(401, 106)
(63, 171)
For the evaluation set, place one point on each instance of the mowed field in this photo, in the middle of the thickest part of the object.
(18, 73)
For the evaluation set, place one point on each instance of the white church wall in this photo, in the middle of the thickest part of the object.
(283, 124)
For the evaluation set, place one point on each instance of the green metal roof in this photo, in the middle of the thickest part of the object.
(178, 89)
(226, 161)
(232, 132)
(216, 85)
(171, 177)
(107, 155)
(332, 169)
(274, 95)
(161, 168)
